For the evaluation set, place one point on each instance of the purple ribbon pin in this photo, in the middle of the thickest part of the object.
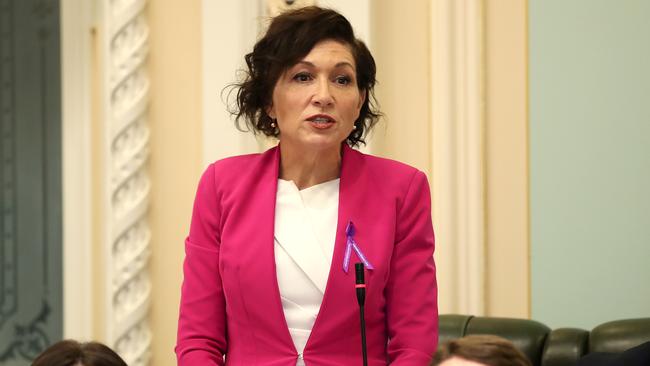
(351, 244)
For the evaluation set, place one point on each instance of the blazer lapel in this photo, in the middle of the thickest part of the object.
(340, 297)
(254, 260)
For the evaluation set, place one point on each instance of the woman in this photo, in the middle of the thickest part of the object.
(273, 235)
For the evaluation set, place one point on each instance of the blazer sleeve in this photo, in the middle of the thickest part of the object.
(411, 292)
(202, 320)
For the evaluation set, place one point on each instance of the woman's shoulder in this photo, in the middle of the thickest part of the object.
(394, 166)
(238, 164)
(231, 172)
(234, 163)
(386, 175)
(388, 167)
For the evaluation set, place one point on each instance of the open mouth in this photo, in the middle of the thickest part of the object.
(321, 120)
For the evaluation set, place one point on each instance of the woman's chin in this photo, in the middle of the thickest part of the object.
(323, 143)
(315, 142)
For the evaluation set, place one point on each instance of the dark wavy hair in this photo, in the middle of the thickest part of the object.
(73, 353)
(289, 38)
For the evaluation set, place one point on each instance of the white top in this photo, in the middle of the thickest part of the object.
(305, 232)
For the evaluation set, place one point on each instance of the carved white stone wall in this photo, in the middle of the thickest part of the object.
(125, 35)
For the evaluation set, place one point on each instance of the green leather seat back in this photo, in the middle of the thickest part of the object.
(452, 326)
(565, 346)
(560, 347)
(528, 336)
(619, 335)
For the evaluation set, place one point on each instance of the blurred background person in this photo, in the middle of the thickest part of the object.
(479, 350)
(73, 353)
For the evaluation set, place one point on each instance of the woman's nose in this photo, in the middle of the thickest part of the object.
(322, 95)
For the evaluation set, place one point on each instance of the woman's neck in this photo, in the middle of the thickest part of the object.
(308, 168)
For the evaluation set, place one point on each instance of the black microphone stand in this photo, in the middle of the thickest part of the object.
(361, 299)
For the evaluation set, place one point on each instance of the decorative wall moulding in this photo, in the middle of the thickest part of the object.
(125, 37)
(457, 136)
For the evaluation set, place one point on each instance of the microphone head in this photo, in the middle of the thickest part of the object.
(359, 273)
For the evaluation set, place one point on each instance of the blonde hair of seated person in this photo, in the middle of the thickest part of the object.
(479, 350)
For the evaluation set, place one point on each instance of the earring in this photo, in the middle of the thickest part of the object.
(354, 127)
(273, 124)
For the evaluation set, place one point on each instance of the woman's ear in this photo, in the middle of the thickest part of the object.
(362, 99)
(270, 111)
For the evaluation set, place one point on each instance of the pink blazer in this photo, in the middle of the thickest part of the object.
(230, 302)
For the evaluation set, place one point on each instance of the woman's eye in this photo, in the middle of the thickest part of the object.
(302, 77)
(343, 80)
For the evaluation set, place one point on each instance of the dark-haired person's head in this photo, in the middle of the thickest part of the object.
(479, 350)
(283, 51)
(73, 353)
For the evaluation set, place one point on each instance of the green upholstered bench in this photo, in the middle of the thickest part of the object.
(550, 347)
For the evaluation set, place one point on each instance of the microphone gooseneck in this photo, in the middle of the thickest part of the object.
(361, 299)
(360, 283)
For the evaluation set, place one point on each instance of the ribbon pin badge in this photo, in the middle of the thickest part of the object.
(351, 244)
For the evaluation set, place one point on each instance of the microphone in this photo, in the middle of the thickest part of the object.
(361, 299)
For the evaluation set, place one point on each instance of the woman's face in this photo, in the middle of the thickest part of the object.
(316, 101)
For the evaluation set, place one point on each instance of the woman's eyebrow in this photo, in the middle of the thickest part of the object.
(344, 63)
(339, 64)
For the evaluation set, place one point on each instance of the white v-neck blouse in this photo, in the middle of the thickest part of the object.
(305, 232)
